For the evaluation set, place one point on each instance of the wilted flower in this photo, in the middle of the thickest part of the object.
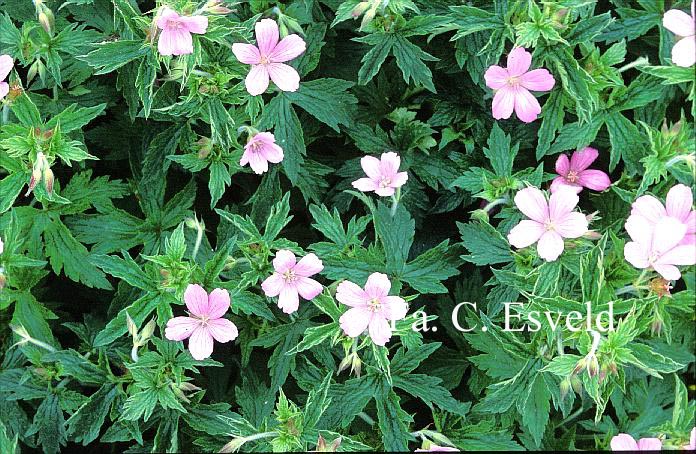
(574, 172)
(550, 222)
(267, 60)
(512, 85)
(383, 174)
(678, 205)
(371, 308)
(205, 321)
(175, 38)
(684, 26)
(6, 64)
(291, 280)
(259, 150)
(625, 442)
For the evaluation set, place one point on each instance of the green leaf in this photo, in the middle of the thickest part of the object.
(125, 269)
(75, 117)
(410, 58)
(288, 134)
(534, 407)
(485, 244)
(72, 364)
(392, 420)
(314, 336)
(219, 180)
(373, 60)
(317, 402)
(111, 55)
(328, 100)
(396, 235)
(8, 445)
(84, 425)
(117, 327)
(10, 187)
(49, 424)
(427, 271)
(499, 152)
(626, 142)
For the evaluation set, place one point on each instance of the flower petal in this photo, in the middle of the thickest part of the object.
(273, 284)
(623, 442)
(561, 182)
(223, 330)
(257, 162)
(288, 300)
(175, 42)
(285, 77)
(518, 61)
(537, 80)
(525, 233)
(649, 207)
(380, 331)
(527, 107)
(684, 52)
(351, 294)
(496, 77)
(166, 14)
(394, 308)
(371, 167)
(639, 229)
(594, 179)
(246, 53)
(196, 299)
(267, 35)
(377, 285)
(669, 272)
(308, 288)
(503, 103)
(667, 234)
(582, 159)
(195, 24)
(180, 328)
(284, 260)
(365, 184)
(6, 65)
(257, 80)
(636, 254)
(574, 225)
(550, 246)
(679, 202)
(201, 344)
(562, 165)
(532, 203)
(389, 164)
(684, 255)
(385, 192)
(288, 48)
(4, 89)
(308, 265)
(561, 203)
(354, 321)
(678, 22)
(399, 179)
(218, 303)
(272, 153)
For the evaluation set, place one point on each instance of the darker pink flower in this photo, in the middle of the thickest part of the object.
(512, 85)
(574, 172)
(6, 64)
(205, 321)
(370, 309)
(678, 205)
(550, 222)
(625, 442)
(267, 59)
(684, 26)
(292, 279)
(175, 38)
(259, 151)
(383, 174)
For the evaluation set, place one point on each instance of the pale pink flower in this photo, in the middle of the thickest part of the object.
(175, 38)
(383, 174)
(512, 85)
(291, 280)
(550, 222)
(684, 26)
(6, 64)
(267, 59)
(678, 205)
(371, 308)
(205, 322)
(657, 246)
(436, 448)
(574, 172)
(259, 150)
(692, 442)
(625, 442)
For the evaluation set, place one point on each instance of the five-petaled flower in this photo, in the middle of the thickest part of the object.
(684, 26)
(512, 85)
(205, 322)
(625, 442)
(291, 280)
(259, 150)
(678, 205)
(371, 308)
(6, 64)
(574, 172)
(549, 222)
(175, 38)
(267, 60)
(383, 174)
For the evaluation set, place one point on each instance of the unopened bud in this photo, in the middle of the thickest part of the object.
(656, 327)
(49, 179)
(283, 30)
(35, 178)
(3, 281)
(603, 372)
(189, 387)
(45, 21)
(359, 9)
(367, 18)
(576, 384)
(293, 25)
(147, 331)
(179, 393)
(565, 388)
(217, 7)
(592, 235)
(323, 446)
(593, 367)
(580, 366)
(132, 329)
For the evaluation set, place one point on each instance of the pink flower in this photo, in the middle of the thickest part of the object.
(436, 448)
(512, 85)
(625, 442)
(205, 321)
(550, 222)
(383, 174)
(692, 443)
(574, 173)
(259, 151)
(176, 38)
(267, 59)
(678, 206)
(6, 64)
(292, 280)
(370, 309)
(684, 26)
(657, 246)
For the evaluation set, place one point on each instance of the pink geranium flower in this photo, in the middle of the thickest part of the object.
(625, 442)
(6, 64)
(175, 38)
(259, 151)
(550, 222)
(692, 442)
(684, 26)
(371, 308)
(383, 174)
(292, 279)
(267, 59)
(657, 246)
(512, 85)
(678, 206)
(205, 322)
(436, 448)
(574, 172)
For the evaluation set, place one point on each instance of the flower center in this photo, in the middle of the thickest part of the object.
(384, 182)
(289, 276)
(174, 24)
(374, 305)
(572, 176)
(549, 226)
(255, 146)
(264, 60)
(514, 81)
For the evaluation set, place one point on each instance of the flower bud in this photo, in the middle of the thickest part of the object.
(147, 331)
(132, 329)
(48, 180)
(45, 19)
(593, 367)
(565, 388)
(657, 326)
(35, 178)
(3, 281)
(323, 446)
(217, 7)
(359, 9)
(612, 367)
(293, 25)
(189, 387)
(576, 384)
(580, 366)
(368, 17)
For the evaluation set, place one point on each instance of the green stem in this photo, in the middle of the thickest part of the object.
(5, 114)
